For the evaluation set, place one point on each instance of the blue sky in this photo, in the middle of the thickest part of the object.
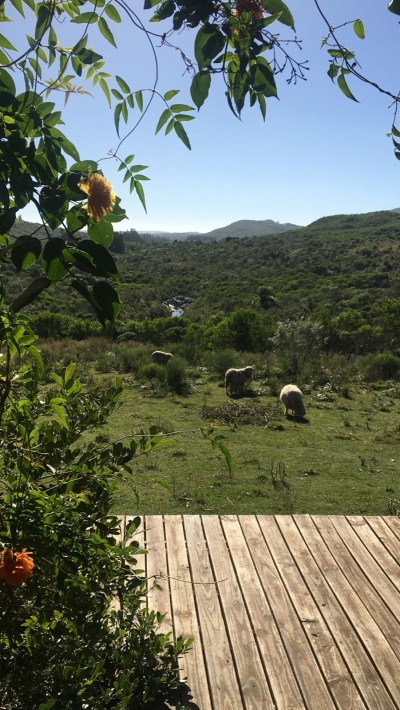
(317, 154)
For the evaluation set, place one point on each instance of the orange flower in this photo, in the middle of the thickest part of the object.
(16, 567)
(101, 198)
(251, 6)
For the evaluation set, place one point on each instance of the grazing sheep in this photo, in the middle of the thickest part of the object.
(236, 379)
(160, 357)
(292, 398)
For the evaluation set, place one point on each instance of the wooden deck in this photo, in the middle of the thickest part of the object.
(286, 612)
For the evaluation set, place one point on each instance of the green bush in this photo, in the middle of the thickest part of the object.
(381, 366)
(61, 620)
(130, 358)
(176, 375)
(219, 361)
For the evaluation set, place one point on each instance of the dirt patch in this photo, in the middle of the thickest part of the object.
(236, 413)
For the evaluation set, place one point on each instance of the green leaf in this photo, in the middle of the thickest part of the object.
(44, 19)
(200, 87)
(106, 32)
(262, 78)
(181, 133)
(165, 10)
(333, 71)
(166, 114)
(53, 262)
(359, 29)
(263, 105)
(64, 143)
(7, 219)
(140, 193)
(107, 300)
(6, 44)
(170, 94)
(117, 116)
(25, 252)
(32, 291)
(182, 117)
(117, 95)
(178, 108)
(342, 84)
(394, 6)
(139, 100)
(112, 12)
(101, 233)
(95, 259)
(123, 85)
(277, 6)
(18, 6)
(106, 91)
(86, 18)
(61, 414)
(208, 44)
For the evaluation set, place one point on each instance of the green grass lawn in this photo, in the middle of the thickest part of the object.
(344, 459)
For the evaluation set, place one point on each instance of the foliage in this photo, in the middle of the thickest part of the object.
(297, 341)
(381, 366)
(176, 375)
(79, 622)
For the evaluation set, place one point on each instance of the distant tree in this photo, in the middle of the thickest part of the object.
(297, 341)
(266, 297)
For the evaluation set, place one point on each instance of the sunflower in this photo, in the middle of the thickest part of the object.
(101, 198)
(16, 567)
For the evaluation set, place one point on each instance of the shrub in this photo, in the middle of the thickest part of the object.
(61, 620)
(221, 360)
(176, 375)
(381, 366)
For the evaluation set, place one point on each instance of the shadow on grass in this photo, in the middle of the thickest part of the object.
(298, 420)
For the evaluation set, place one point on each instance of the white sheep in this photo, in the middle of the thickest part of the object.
(292, 398)
(236, 379)
(160, 357)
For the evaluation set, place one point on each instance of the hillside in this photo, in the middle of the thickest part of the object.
(236, 230)
(250, 228)
(341, 269)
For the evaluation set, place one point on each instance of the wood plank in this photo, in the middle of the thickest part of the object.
(366, 678)
(366, 577)
(224, 688)
(247, 662)
(394, 523)
(385, 661)
(184, 613)
(157, 570)
(281, 678)
(313, 688)
(389, 566)
(385, 535)
(335, 671)
(262, 623)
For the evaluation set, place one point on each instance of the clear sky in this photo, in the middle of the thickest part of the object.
(317, 153)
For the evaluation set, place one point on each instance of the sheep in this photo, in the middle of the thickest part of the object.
(292, 398)
(160, 357)
(236, 379)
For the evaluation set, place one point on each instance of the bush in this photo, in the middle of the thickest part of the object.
(60, 619)
(130, 358)
(176, 375)
(221, 360)
(381, 366)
